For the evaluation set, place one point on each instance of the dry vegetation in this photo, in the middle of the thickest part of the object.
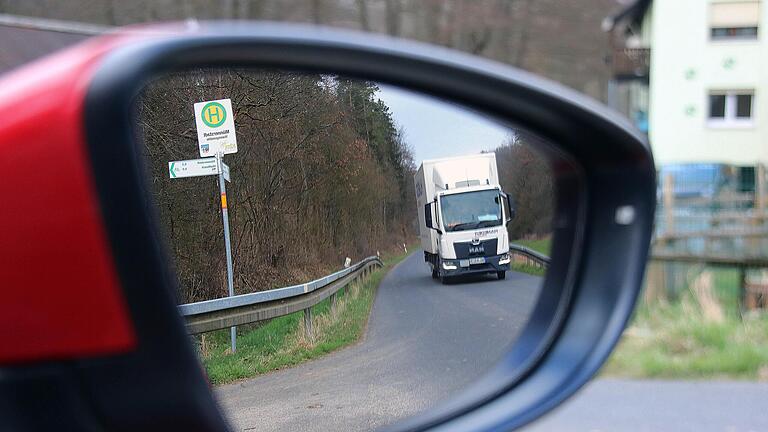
(699, 333)
(561, 40)
(527, 175)
(321, 174)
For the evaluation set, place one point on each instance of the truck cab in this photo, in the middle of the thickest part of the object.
(464, 223)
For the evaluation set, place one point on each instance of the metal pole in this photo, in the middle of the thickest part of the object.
(333, 304)
(225, 219)
(308, 322)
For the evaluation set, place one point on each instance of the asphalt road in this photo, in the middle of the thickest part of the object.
(424, 342)
(661, 406)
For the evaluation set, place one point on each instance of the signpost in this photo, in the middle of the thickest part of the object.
(193, 168)
(225, 171)
(225, 220)
(215, 122)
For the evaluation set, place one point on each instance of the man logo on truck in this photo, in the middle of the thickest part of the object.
(476, 249)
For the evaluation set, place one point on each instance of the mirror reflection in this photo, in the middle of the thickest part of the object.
(433, 222)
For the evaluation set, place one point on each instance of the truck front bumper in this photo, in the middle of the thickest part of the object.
(490, 264)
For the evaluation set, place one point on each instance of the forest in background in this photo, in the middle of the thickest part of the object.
(322, 173)
(561, 40)
(526, 174)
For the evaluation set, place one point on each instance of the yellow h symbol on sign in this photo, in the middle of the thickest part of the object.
(214, 114)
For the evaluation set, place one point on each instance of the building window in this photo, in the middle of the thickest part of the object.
(724, 33)
(734, 20)
(730, 108)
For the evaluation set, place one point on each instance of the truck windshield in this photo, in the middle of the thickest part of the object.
(471, 210)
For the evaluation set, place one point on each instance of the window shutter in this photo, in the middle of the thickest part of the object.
(734, 14)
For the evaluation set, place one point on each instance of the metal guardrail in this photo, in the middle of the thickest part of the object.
(531, 256)
(225, 312)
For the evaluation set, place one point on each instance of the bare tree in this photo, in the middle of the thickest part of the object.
(393, 10)
(316, 6)
(527, 176)
(362, 7)
(322, 173)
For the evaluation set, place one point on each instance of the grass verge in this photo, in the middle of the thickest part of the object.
(689, 335)
(674, 341)
(281, 342)
(698, 333)
(542, 246)
(527, 268)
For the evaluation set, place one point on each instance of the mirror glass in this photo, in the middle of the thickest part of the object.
(302, 176)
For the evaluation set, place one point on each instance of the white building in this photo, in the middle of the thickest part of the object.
(707, 97)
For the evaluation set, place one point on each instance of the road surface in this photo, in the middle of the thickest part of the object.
(661, 406)
(424, 342)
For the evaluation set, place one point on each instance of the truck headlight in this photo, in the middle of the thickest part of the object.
(504, 259)
(449, 265)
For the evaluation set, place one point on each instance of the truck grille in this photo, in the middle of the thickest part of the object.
(467, 249)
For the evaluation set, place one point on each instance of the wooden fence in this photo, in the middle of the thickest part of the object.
(695, 233)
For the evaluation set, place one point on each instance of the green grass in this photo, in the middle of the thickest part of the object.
(541, 245)
(677, 341)
(727, 289)
(530, 269)
(674, 339)
(281, 342)
(685, 338)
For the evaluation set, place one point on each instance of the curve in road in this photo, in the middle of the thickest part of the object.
(424, 342)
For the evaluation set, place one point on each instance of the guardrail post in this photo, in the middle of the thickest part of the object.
(333, 303)
(744, 300)
(308, 322)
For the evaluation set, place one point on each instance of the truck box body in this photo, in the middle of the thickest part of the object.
(453, 185)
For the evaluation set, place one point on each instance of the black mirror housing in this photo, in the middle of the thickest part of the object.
(429, 221)
(428, 215)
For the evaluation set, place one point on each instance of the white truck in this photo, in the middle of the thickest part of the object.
(463, 216)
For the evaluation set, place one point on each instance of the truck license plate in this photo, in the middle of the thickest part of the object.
(473, 261)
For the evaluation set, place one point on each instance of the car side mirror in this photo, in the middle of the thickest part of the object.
(428, 215)
(125, 358)
(511, 212)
